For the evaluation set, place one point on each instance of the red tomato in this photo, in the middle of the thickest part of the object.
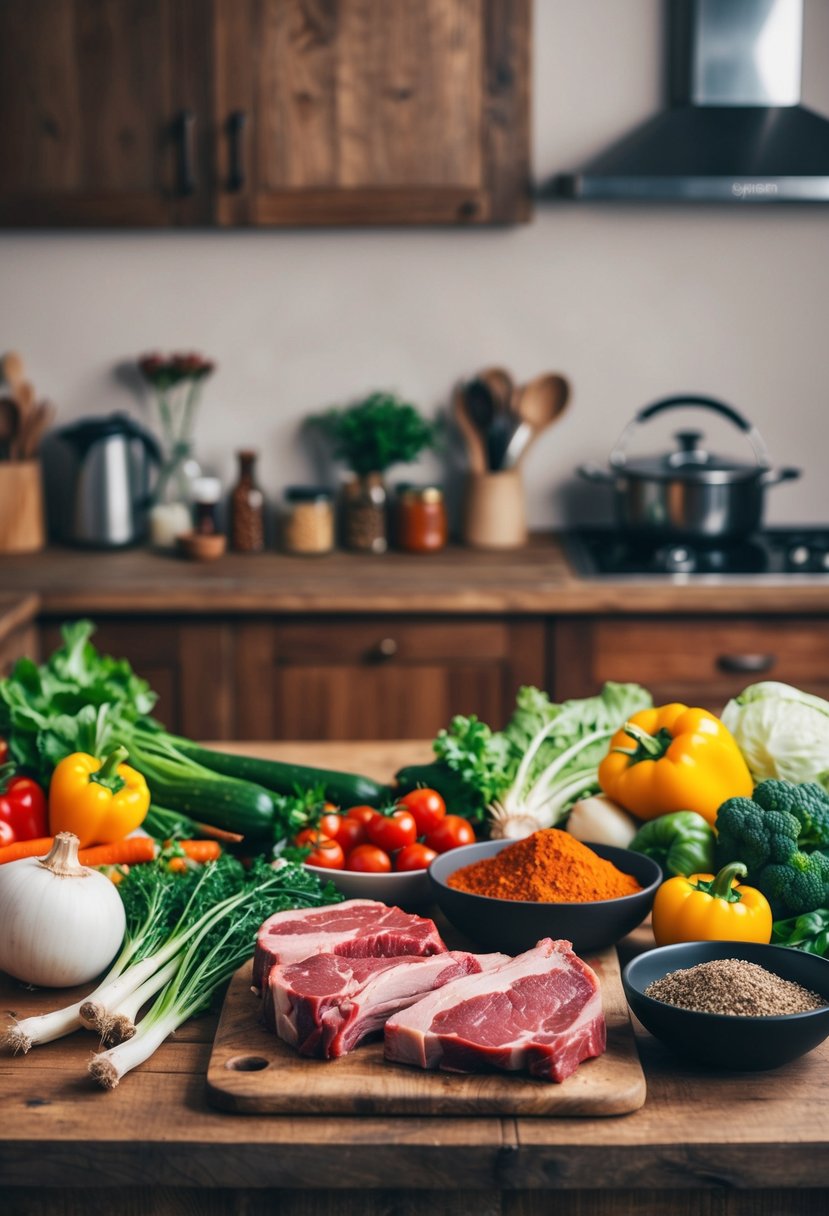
(451, 833)
(351, 832)
(364, 814)
(324, 851)
(393, 831)
(4, 751)
(428, 809)
(368, 859)
(329, 824)
(414, 857)
(7, 835)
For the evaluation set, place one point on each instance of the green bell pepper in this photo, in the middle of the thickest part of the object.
(681, 843)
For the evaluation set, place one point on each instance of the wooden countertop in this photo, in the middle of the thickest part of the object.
(536, 580)
(155, 1137)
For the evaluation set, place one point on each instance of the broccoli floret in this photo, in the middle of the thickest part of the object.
(776, 834)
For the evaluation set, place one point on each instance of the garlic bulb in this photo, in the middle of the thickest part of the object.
(62, 922)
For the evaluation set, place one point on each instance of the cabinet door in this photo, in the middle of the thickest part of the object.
(697, 660)
(94, 96)
(187, 661)
(372, 111)
(379, 677)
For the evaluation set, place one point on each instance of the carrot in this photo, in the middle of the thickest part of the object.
(38, 847)
(200, 850)
(125, 852)
(219, 833)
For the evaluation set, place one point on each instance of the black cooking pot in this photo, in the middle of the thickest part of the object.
(689, 493)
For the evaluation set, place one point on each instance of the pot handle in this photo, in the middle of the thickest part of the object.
(619, 454)
(772, 477)
(592, 472)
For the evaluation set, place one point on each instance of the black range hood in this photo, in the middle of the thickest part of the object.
(735, 131)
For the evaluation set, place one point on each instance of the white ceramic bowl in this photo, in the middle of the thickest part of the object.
(409, 890)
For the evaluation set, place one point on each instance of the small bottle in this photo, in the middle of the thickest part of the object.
(421, 519)
(308, 520)
(247, 508)
(206, 494)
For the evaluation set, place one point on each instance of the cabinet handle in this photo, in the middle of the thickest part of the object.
(236, 124)
(746, 664)
(386, 648)
(185, 129)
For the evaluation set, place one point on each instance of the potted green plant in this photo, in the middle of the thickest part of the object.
(369, 437)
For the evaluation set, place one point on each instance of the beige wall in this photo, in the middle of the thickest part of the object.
(631, 303)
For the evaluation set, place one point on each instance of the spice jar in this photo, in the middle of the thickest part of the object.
(247, 508)
(365, 522)
(308, 520)
(421, 519)
(206, 494)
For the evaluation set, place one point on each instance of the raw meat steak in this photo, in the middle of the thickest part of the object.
(326, 1004)
(357, 928)
(540, 1011)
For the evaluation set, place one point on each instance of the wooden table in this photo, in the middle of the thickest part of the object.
(705, 1142)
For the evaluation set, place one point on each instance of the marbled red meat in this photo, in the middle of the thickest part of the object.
(326, 1004)
(356, 928)
(540, 1012)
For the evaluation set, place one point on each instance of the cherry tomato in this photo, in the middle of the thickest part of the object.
(414, 857)
(393, 831)
(451, 833)
(428, 809)
(368, 859)
(329, 823)
(324, 851)
(7, 835)
(364, 814)
(4, 751)
(350, 833)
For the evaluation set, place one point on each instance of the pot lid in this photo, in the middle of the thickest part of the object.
(691, 462)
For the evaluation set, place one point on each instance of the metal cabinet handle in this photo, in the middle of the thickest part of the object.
(746, 664)
(386, 648)
(185, 131)
(236, 123)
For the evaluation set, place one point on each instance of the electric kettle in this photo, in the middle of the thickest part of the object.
(97, 474)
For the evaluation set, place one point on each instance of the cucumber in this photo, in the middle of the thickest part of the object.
(344, 789)
(236, 806)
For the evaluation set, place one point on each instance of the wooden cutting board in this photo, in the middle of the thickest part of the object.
(251, 1071)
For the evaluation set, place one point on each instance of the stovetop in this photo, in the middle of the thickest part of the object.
(775, 555)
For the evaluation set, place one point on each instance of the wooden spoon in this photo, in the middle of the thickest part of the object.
(539, 404)
(38, 422)
(9, 427)
(474, 440)
(13, 369)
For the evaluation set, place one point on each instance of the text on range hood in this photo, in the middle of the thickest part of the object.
(734, 131)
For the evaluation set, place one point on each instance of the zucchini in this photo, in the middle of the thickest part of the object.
(344, 789)
(236, 806)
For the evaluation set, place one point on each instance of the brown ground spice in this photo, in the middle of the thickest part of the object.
(550, 866)
(733, 986)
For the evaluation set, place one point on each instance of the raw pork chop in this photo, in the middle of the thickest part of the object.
(541, 1012)
(357, 928)
(325, 1005)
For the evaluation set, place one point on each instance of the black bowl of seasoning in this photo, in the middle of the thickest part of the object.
(515, 925)
(743, 1005)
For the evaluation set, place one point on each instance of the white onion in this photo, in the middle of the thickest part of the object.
(62, 922)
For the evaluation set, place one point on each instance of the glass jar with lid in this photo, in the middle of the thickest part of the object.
(308, 520)
(421, 519)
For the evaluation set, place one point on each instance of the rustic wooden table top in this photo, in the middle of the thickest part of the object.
(537, 579)
(66, 1146)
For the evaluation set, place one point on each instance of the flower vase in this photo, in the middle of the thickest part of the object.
(171, 512)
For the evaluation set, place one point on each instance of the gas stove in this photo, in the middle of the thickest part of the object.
(774, 555)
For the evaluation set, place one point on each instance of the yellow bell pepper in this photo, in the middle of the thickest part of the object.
(101, 801)
(702, 908)
(681, 760)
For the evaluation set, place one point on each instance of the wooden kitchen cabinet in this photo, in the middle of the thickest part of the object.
(697, 660)
(384, 677)
(263, 112)
(99, 102)
(372, 111)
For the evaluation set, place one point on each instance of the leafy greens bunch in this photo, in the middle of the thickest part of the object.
(529, 775)
(377, 433)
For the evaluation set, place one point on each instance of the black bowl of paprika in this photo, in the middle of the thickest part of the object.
(515, 924)
(730, 1040)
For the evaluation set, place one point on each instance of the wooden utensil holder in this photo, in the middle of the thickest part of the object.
(21, 507)
(494, 515)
